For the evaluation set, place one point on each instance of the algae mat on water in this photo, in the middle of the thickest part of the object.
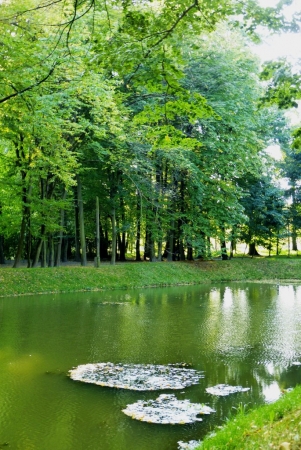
(136, 377)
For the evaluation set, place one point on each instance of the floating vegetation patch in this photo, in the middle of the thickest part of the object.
(296, 363)
(287, 390)
(225, 389)
(137, 377)
(113, 303)
(167, 409)
(191, 445)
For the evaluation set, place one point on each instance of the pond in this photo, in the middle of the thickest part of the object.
(245, 334)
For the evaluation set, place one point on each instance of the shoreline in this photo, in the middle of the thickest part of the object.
(141, 275)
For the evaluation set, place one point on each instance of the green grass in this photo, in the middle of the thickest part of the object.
(137, 275)
(267, 427)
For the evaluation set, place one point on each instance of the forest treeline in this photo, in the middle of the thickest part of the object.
(137, 129)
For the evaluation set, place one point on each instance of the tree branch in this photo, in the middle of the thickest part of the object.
(45, 5)
(166, 34)
(28, 88)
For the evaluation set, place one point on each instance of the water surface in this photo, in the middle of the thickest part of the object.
(240, 334)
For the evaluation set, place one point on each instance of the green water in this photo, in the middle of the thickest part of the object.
(239, 334)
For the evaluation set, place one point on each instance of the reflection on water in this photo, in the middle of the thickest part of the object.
(238, 334)
(271, 392)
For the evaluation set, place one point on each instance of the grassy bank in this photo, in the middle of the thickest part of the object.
(275, 426)
(137, 275)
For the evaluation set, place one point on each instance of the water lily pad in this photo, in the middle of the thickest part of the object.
(225, 389)
(190, 445)
(167, 409)
(137, 377)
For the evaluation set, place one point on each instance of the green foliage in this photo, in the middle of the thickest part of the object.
(270, 17)
(144, 103)
(264, 207)
(296, 144)
(284, 85)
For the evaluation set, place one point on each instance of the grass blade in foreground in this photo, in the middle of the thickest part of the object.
(268, 427)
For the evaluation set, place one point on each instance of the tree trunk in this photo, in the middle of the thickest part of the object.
(138, 236)
(60, 243)
(122, 236)
(39, 247)
(294, 240)
(252, 250)
(170, 254)
(97, 259)
(121, 246)
(208, 247)
(146, 254)
(118, 245)
(294, 216)
(43, 193)
(189, 253)
(81, 223)
(152, 256)
(181, 221)
(104, 242)
(24, 223)
(233, 242)
(29, 246)
(224, 251)
(114, 238)
(224, 246)
(44, 254)
(270, 245)
(76, 227)
(160, 244)
(151, 246)
(65, 249)
(38, 252)
(202, 251)
(50, 251)
(20, 244)
(2, 258)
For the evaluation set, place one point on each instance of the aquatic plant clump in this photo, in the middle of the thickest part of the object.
(167, 409)
(225, 389)
(190, 445)
(113, 303)
(137, 377)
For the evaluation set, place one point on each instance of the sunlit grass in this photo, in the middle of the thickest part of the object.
(274, 426)
(137, 275)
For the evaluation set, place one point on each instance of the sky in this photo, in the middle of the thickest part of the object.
(284, 45)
